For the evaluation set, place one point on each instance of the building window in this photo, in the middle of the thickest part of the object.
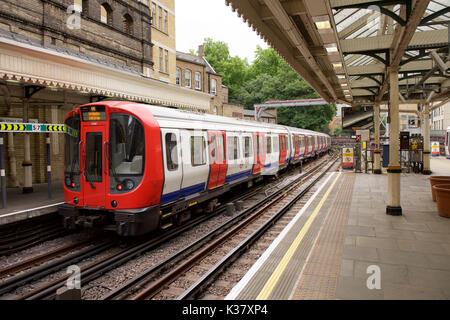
(166, 23)
(198, 81)
(214, 86)
(160, 59)
(106, 14)
(215, 110)
(153, 14)
(166, 61)
(127, 24)
(160, 18)
(178, 76)
(187, 78)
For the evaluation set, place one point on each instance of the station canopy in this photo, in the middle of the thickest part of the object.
(345, 49)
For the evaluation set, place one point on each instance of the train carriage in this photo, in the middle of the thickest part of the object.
(135, 168)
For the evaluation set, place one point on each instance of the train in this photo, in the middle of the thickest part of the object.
(134, 168)
(447, 143)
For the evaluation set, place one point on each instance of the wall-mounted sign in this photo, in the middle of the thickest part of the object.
(347, 158)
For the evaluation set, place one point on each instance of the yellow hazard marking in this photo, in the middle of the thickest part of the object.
(273, 280)
(192, 204)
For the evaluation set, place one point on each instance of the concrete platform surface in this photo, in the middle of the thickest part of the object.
(353, 250)
(23, 206)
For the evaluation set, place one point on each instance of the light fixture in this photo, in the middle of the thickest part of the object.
(323, 25)
(322, 22)
(331, 48)
(337, 65)
(341, 76)
(344, 84)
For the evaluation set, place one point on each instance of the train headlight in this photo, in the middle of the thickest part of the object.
(119, 187)
(114, 203)
(75, 200)
(129, 184)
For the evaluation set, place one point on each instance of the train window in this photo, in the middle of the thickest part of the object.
(171, 151)
(247, 147)
(213, 147)
(222, 147)
(94, 157)
(233, 148)
(72, 152)
(126, 145)
(269, 144)
(275, 145)
(198, 156)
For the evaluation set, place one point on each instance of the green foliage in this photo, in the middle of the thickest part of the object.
(269, 77)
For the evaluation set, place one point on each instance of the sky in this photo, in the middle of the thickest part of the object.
(200, 19)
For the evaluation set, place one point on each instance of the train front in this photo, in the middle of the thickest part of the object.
(112, 171)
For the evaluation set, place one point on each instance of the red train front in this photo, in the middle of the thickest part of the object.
(114, 165)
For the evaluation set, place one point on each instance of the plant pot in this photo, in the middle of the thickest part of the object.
(442, 192)
(438, 180)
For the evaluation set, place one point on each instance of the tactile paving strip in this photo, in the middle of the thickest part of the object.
(321, 272)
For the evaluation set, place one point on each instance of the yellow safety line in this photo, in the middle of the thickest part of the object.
(273, 280)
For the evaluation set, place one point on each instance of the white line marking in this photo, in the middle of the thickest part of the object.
(29, 210)
(232, 295)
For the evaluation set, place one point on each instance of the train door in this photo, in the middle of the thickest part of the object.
(260, 158)
(223, 163)
(93, 165)
(218, 160)
(173, 170)
(302, 146)
(283, 148)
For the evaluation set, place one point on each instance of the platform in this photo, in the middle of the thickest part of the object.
(342, 242)
(22, 206)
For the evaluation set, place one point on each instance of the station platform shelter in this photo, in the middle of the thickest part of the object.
(343, 245)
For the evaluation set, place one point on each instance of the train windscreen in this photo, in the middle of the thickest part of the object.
(72, 155)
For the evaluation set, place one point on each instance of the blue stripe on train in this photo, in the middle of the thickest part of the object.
(236, 176)
(173, 196)
(269, 165)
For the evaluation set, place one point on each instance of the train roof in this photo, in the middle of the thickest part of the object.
(175, 118)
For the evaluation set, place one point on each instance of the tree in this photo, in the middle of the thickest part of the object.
(269, 77)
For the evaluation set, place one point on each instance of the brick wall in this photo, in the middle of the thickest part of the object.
(46, 21)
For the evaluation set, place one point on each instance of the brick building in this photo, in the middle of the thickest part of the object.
(164, 40)
(195, 73)
(55, 55)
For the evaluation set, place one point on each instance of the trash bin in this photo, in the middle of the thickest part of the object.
(385, 155)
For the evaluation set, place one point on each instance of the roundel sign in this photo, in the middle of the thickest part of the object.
(347, 158)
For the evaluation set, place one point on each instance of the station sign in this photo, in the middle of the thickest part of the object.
(347, 158)
(37, 128)
(435, 149)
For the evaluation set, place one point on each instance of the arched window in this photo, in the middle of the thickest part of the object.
(127, 24)
(106, 14)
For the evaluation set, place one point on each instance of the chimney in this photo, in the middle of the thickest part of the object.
(201, 50)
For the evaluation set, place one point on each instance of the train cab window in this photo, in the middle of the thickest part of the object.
(198, 154)
(126, 145)
(171, 152)
(94, 157)
(72, 154)
(247, 147)
(269, 144)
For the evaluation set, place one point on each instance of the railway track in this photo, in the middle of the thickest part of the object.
(22, 235)
(159, 283)
(106, 263)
